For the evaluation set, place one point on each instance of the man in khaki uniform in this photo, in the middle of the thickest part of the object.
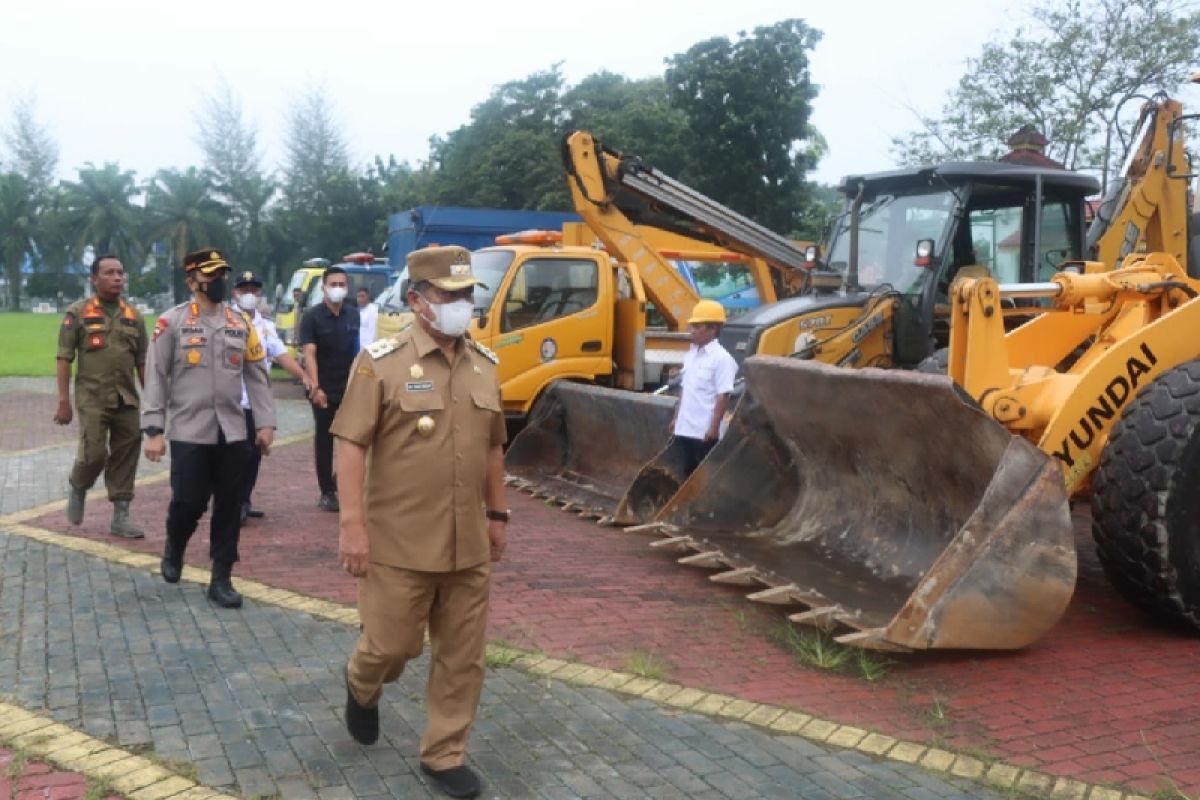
(420, 439)
(109, 337)
(201, 353)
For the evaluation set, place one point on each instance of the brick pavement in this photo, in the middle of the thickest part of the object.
(27, 779)
(1107, 697)
(252, 699)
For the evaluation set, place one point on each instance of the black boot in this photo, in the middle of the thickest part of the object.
(220, 589)
(172, 561)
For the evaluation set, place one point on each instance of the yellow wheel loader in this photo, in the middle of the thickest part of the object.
(923, 511)
(879, 296)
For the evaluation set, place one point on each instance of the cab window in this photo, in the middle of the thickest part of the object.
(1056, 244)
(545, 289)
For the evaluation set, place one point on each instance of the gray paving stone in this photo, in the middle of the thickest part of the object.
(253, 698)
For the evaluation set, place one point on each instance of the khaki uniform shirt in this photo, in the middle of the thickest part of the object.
(424, 492)
(194, 375)
(110, 348)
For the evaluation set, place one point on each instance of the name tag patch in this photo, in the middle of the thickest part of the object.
(419, 386)
(187, 330)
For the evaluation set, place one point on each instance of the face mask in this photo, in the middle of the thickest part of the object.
(336, 294)
(247, 302)
(215, 289)
(453, 318)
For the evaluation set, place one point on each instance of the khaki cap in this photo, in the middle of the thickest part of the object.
(447, 267)
(208, 261)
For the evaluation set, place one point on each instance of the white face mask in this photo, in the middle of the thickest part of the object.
(453, 318)
(336, 294)
(247, 302)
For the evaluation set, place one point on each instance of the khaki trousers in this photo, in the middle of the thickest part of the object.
(395, 605)
(110, 441)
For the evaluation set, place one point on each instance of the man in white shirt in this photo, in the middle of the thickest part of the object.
(708, 374)
(368, 316)
(247, 297)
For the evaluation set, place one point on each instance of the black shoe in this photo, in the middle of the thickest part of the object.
(361, 722)
(220, 588)
(459, 781)
(328, 502)
(172, 562)
(254, 513)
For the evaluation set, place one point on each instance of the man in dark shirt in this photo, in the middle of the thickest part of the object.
(329, 338)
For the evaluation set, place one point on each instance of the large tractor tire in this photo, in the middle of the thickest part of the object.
(1146, 499)
(936, 363)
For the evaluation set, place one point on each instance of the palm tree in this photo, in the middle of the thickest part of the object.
(182, 212)
(101, 210)
(18, 218)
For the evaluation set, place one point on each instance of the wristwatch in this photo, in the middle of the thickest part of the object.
(498, 516)
(153, 430)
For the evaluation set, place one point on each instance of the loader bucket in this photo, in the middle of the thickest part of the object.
(583, 445)
(884, 501)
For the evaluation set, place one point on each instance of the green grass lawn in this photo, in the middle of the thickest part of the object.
(29, 342)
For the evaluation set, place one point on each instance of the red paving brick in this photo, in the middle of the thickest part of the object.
(27, 423)
(1106, 692)
(39, 781)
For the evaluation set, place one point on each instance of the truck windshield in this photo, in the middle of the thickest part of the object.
(889, 228)
(489, 266)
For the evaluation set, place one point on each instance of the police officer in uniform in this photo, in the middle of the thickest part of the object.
(420, 452)
(109, 338)
(201, 353)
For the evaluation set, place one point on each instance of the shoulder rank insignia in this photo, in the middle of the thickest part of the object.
(483, 351)
(381, 348)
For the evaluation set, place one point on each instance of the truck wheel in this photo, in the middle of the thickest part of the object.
(1146, 499)
(936, 363)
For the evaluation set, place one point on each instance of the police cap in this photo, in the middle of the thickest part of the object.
(247, 278)
(208, 261)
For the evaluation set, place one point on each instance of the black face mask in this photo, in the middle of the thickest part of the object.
(215, 289)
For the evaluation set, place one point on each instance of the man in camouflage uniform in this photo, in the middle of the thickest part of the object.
(108, 337)
(201, 353)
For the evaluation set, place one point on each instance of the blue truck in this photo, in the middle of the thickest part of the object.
(471, 228)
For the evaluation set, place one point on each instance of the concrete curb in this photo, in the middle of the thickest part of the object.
(134, 776)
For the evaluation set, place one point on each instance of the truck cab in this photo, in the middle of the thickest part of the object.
(363, 270)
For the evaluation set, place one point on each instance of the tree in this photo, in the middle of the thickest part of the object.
(630, 116)
(17, 225)
(234, 166)
(327, 209)
(181, 211)
(1070, 72)
(507, 155)
(34, 151)
(99, 209)
(747, 105)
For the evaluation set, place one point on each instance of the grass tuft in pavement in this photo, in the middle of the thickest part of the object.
(817, 648)
(645, 665)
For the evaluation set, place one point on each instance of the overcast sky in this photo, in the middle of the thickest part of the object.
(122, 80)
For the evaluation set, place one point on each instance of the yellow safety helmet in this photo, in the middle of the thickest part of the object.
(707, 311)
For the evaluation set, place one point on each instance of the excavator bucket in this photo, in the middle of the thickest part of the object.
(583, 445)
(882, 501)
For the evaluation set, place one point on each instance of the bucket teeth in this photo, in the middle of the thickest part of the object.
(681, 543)
(872, 639)
(570, 505)
(823, 617)
(741, 576)
(709, 559)
(650, 527)
(606, 521)
(785, 595)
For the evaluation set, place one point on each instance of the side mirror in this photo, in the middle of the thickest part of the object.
(812, 255)
(923, 257)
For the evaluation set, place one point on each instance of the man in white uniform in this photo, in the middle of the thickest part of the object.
(708, 373)
(247, 297)
(368, 315)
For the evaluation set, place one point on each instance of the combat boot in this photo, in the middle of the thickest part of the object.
(220, 588)
(172, 561)
(122, 525)
(75, 500)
